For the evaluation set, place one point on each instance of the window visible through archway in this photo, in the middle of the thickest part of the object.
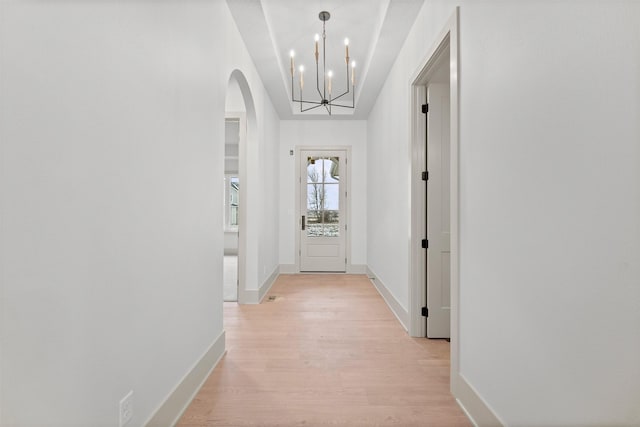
(231, 189)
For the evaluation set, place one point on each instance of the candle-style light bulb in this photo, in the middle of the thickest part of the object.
(317, 38)
(353, 73)
(346, 45)
(301, 69)
(330, 75)
(292, 54)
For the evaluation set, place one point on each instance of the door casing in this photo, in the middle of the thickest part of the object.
(241, 116)
(446, 41)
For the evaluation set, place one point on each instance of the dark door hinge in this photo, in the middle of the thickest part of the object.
(425, 312)
(425, 244)
(425, 176)
(425, 108)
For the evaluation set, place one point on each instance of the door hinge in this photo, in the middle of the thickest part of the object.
(425, 312)
(425, 108)
(425, 244)
(425, 175)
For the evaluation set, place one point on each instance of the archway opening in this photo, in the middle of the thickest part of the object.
(239, 132)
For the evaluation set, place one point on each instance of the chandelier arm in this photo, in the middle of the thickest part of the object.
(307, 102)
(349, 86)
(348, 81)
(318, 82)
(340, 105)
(339, 96)
(311, 108)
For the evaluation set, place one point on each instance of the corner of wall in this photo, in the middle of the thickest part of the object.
(357, 269)
(473, 404)
(394, 305)
(255, 296)
(266, 286)
(170, 411)
(288, 269)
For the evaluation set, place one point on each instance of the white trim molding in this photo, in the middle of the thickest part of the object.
(170, 411)
(357, 269)
(288, 269)
(266, 286)
(242, 176)
(473, 404)
(255, 296)
(396, 308)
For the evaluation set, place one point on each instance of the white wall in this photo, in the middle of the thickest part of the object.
(550, 203)
(267, 212)
(233, 101)
(322, 133)
(112, 139)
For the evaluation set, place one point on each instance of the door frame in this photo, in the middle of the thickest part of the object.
(347, 208)
(242, 211)
(447, 38)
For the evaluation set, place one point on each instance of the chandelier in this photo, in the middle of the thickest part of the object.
(325, 95)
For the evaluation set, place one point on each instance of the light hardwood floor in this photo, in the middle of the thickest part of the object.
(327, 351)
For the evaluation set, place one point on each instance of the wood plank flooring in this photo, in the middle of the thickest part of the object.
(326, 351)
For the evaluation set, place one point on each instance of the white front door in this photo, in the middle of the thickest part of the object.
(322, 223)
(438, 203)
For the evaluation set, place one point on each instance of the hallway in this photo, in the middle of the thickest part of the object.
(326, 351)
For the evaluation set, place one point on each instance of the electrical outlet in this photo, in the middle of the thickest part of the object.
(126, 409)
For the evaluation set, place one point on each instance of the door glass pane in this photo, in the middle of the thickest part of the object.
(314, 169)
(315, 202)
(331, 170)
(331, 213)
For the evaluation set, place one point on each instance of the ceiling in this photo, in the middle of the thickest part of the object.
(272, 28)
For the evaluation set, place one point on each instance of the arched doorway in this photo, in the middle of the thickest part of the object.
(240, 125)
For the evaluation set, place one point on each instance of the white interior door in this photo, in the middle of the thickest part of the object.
(322, 210)
(438, 206)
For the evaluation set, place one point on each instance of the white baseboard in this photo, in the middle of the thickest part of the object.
(179, 399)
(356, 269)
(266, 286)
(396, 308)
(473, 405)
(351, 269)
(255, 296)
(288, 269)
